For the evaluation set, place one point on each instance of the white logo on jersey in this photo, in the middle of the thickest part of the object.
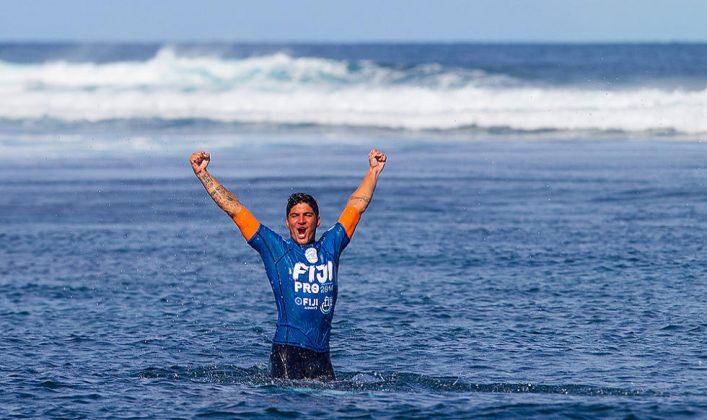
(326, 305)
(318, 277)
(311, 255)
(322, 273)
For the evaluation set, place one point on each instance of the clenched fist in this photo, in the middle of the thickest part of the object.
(199, 161)
(377, 160)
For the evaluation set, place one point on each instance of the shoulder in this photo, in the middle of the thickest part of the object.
(266, 237)
(335, 236)
(336, 230)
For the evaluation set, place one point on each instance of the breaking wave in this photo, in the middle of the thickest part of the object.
(279, 89)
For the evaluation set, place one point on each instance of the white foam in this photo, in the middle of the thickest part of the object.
(279, 89)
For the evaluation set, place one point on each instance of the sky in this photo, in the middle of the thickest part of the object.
(355, 21)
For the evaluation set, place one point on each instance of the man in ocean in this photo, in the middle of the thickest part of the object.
(302, 271)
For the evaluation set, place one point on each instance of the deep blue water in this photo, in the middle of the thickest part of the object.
(524, 279)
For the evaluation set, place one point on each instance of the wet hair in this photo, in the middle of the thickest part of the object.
(300, 197)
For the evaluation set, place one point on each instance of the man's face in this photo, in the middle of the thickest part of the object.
(302, 223)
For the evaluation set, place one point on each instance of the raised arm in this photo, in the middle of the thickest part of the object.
(361, 198)
(225, 199)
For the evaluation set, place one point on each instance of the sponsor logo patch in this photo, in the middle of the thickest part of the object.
(311, 255)
(326, 305)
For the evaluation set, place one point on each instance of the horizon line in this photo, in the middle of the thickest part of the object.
(347, 42)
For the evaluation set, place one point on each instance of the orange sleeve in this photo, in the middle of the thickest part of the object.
(349, 219)
(247, 223)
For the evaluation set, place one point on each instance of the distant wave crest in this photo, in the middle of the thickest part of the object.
(280, 89)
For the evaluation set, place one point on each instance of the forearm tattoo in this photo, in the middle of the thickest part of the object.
(222, 193)
(225, 199)
(206, 179)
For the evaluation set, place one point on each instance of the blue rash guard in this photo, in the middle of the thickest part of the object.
(304, 282)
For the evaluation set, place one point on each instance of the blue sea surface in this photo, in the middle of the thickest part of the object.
(535, 247)
(519, 279)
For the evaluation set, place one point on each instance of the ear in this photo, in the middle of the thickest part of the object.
(319, 221)
(287, 222)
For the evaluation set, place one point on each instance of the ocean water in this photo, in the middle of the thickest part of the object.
(656, 90)
(535, 247)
